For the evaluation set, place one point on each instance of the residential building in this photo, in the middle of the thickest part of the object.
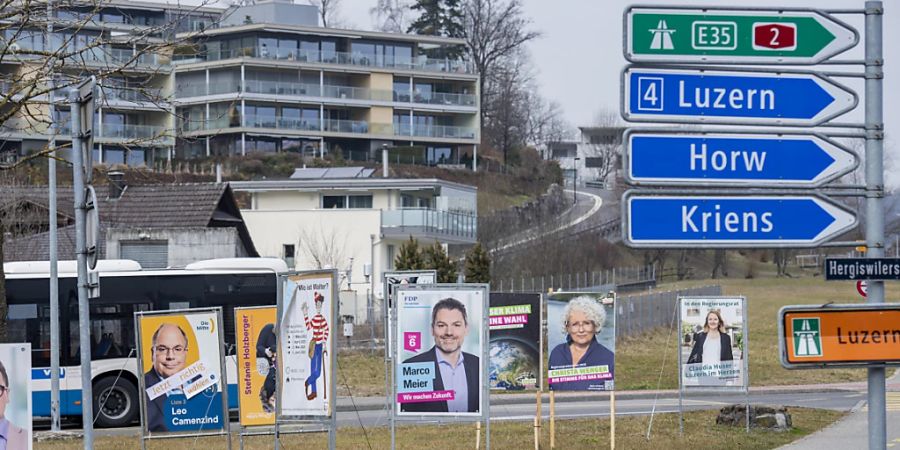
(596, 157)
(343, 219)
(263, 77)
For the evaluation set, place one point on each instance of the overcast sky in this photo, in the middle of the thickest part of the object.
(579, 56)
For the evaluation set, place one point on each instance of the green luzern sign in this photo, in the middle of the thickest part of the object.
(732, 36)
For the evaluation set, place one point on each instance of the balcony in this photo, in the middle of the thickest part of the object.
(344, 58)
(133, 132)
(434, 131)
(282, 123)
(347, 126)
(281, 88)
(455, 227)
(435, 98)
(134, 95)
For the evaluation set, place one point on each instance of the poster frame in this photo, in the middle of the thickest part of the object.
(241, 427)
(539, 385)
(745, 354)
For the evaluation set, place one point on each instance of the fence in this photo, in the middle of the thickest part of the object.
(618, 278)
(642, 312)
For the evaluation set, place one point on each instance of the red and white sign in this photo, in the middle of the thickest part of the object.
(863, 288)
(774, 36)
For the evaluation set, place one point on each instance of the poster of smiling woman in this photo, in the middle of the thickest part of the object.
(181, 361)
(441, 351)
(581, 337)
(713, 338)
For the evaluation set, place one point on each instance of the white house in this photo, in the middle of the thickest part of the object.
(327, 218)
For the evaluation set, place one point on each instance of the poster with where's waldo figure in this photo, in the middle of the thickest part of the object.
(306, 315)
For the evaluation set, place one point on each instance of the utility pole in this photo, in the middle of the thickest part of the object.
(54, 257)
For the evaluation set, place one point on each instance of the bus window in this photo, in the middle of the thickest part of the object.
(30, 323)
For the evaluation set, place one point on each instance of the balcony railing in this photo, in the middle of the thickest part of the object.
(327, 57)
(281, 88)
(283, 123)
(136, 95)
(435, 98)
(347, 126)
(123, 131)
(447, 223)
(435, 131)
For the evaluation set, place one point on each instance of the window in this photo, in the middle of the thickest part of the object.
(151, 254)
(334, 201)
(347, 201)
(288, 251)
(360, 201)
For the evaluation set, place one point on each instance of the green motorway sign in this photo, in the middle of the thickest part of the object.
(734, 36)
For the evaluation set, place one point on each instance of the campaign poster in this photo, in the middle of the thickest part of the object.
(307, 317)
(712, 343)
(393, 279)
(440, 351)
(257, 348)
(180, 357)
(515, 342)
(581, 337)
(15, 395)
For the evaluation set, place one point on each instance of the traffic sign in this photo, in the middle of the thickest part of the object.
(733, 159)
(862, 269)
(730, 221)
(733, 97)
(839, 335)
(862, 288)
(734, 36)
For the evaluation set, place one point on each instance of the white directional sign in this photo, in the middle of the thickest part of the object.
(732, 97)
(733, 159)
(708, 221)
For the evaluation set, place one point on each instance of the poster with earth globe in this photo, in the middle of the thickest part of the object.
(515, 341)
(581, 338)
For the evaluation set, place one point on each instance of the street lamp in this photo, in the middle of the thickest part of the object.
(575, 182)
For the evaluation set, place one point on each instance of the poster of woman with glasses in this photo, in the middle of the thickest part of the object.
(15, 396)
(180, 355)
(581, 336)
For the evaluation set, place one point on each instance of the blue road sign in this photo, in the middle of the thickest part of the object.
(734, 97)
(731, 221)
(733, 159)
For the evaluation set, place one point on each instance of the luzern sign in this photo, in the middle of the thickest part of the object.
(839, 335)
(732, 97)
(862, 269)
(733, 159)
(732, 36)
(718, 221)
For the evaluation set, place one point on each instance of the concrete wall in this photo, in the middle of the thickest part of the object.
(286, 200)
(184, 245)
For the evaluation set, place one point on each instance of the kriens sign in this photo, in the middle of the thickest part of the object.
(839, 335)
(731, 221)
(732, 97)
(729, 36)
(862, 269)
(726, 159)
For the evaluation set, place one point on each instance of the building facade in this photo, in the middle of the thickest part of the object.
(594, 158)
(257, 78)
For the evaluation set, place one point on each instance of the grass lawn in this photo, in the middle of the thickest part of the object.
(700, 431)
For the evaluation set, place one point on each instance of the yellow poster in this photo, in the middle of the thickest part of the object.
(256, 342)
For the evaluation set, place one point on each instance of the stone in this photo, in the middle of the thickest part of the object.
(774, 418)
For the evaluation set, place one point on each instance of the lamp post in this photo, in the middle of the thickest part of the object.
(575, 181)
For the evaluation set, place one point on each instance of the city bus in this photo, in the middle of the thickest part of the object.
(125, 288)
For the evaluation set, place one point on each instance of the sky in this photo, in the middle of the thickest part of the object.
(579, 56)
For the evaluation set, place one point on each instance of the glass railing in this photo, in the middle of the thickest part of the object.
(436, 131)
(410, 220)
(122, 131)
(137, 95)
(282, 123)
(281, 88)
(347, 126)
(328, 57)
(435, 98)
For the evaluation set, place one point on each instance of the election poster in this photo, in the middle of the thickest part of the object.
(581, 337)
(441, 350)
(515, 341)
(307, 318)
(712, 343)
(180, 357)
(15, 395)
(256, 338)
(393, 279)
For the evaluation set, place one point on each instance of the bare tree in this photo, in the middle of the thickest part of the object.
(329, 12)
(390, 15)
(325, 246)
(603, 147)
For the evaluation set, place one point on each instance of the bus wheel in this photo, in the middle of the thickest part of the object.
(116, 402)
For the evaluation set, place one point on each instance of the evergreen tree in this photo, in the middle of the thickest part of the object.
(436, 258)
(440, 18)
(452, 21)
(478, 265)
(409, 257)
(431, 18)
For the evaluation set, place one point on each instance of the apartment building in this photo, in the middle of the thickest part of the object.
(594, 158)
(256, 78)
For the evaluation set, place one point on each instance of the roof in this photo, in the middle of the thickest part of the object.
(349, 183)
(322, 31)
(331, 172)
(187, 205)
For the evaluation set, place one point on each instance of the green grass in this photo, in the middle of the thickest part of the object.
(700, 430)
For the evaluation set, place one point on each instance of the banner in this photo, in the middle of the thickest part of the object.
(440, 350)
(181, 359)
(712, 338)
(306, 332)
(15, 395)
(515, 343)
(255, 335)
(392, 280)
(581, 336)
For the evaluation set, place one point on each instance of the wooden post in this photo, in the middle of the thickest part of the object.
(477, 435)
(612, 420)
(552, 419)
(537, 421)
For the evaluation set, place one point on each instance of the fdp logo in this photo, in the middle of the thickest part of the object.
(807, 337)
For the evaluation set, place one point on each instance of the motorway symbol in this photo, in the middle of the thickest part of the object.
(705, 221)
(734, 36)
(732, 97)
(807, 339)
(733, 159)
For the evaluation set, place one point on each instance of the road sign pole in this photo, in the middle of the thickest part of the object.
(874, 203)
